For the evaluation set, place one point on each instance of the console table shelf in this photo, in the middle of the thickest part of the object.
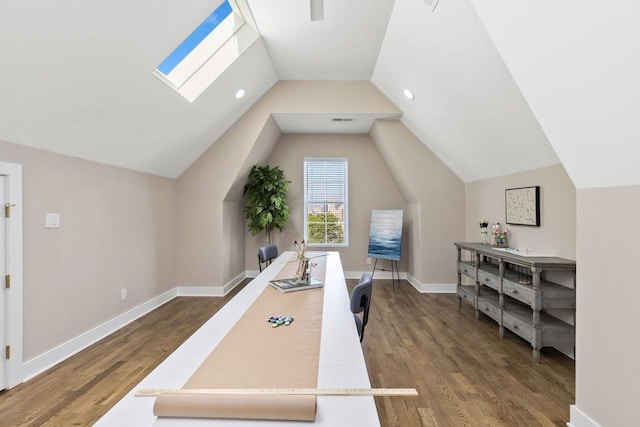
(510, 289)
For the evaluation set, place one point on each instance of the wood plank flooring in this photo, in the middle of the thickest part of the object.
(466, 375)
(78, 391)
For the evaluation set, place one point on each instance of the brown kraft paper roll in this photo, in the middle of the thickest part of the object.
(253, 407)
(255, 355)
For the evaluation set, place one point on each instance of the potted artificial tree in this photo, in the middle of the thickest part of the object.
(266, 207)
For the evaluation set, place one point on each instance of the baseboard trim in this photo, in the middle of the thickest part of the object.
(432, 288)
(200, 291)
(423, 288)
(580, 419)
(378, 274)
(62, 352)
(56, 355)
(234, 282)
(210, 291)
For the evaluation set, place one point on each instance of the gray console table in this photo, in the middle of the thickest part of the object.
(512, 290)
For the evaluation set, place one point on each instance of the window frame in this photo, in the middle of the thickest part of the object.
(209, 50)
(344, 161)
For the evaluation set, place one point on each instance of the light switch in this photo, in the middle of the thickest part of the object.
(52, 220)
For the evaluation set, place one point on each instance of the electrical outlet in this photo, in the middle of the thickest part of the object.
(123, 294)
(368, 260)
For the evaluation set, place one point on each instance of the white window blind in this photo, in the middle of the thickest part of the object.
(326, 202)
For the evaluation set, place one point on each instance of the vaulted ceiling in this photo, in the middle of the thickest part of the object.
(76, 78)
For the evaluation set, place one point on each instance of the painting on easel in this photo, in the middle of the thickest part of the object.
(385, 234)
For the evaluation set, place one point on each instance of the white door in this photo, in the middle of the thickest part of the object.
(3, 272)
(11, 294)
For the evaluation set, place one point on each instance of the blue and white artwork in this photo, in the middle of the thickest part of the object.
(385, 234)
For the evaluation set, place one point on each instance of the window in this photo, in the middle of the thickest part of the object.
(326, 202)
(212, 47)
(210, 24)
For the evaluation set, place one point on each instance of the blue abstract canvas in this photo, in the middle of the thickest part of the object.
(385, 234)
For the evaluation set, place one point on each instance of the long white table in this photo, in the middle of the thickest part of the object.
(341, 363)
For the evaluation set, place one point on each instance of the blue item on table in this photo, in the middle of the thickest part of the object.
(280, 320)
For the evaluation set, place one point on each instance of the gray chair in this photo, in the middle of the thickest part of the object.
(266, 254)
(360, 302)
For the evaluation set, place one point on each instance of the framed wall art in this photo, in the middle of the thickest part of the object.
(522, 206)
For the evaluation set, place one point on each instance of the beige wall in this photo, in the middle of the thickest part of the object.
(233, 227)
(120, 227)
(413, 220)
(117, 231)
(435, 198)
(217, 176)
(370, 187)
(607, 375)
(557, 232)
(202, 191)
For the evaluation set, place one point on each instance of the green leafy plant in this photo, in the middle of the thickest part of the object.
(266, 207)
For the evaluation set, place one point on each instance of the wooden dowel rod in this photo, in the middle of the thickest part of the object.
(286, 391)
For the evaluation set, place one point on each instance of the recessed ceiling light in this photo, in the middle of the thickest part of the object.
(409, 95)
(239, 93)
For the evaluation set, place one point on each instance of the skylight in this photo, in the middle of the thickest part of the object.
(209, 50)
(209, 24)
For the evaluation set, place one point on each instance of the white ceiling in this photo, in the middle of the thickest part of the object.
(76, 79)
(578, 66)
(467, 109)
(343, 46)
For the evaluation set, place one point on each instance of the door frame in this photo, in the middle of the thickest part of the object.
(14, 294)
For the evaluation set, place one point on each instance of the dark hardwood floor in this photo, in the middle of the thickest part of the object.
(466, 375)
